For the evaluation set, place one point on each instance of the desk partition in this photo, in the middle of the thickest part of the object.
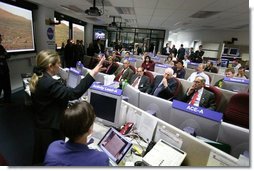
(237, 137)
(198, 152)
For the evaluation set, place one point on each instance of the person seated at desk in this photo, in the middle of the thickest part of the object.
(124, 72)
(112, 67)
(179, 71)
(169, 60)
(197, 95)
(139, 80)
(199, 71)
(77, 125)
(229, 72)
(126, 56)
(241, 73)
(210, 68)
(164, 86)
(148, 64)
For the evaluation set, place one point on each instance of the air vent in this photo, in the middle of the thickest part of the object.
(204, 14)
(125, 10)
(133, 21)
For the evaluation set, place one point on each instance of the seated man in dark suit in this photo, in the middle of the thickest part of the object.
(124, 73)
(198, 96)
(140, 81)
(164, 86)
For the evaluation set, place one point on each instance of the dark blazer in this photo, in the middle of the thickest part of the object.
(207, 99)
(126, 75)
(51, 97)
(111, 69)
(179, 73)
(167, 92)
(143, 83)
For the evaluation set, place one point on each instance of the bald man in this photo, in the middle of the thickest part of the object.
(164, 86)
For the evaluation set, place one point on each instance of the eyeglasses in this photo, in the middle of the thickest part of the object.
(139, 71)
(198, 82)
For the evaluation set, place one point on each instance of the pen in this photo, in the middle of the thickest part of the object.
(161, 162)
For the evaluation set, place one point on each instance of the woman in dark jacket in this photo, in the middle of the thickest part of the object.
(50, 98)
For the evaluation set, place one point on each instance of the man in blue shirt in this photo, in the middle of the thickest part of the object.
(77, 125)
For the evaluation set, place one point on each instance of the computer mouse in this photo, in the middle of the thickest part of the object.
(139, 163)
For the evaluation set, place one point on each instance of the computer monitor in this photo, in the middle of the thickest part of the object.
(153, 104)
(237, 137)
(132, 95)
(106, 106)
(202, 126)
(225, 51)
(233, 51)
(74, 78)
(236, 85)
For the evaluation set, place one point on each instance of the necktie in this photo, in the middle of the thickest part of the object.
(108, 68)
(194, 98)
(158, 89)
(136, 81)
(119, 75)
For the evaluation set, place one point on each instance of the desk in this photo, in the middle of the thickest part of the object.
(100, 130)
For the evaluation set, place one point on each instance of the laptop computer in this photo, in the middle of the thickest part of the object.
(115, 145)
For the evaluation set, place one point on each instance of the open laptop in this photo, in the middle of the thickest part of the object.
(115, 145)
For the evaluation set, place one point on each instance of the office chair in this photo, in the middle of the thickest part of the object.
(133, 69)
(217, 93)
(237, 110)
(150, 76)
(178, 90)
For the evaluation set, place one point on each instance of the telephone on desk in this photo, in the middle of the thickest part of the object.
(126, 128)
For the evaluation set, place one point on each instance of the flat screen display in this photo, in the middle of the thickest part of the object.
(16, 28)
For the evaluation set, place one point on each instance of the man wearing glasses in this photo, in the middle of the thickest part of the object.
(198, 96)
(139, 80)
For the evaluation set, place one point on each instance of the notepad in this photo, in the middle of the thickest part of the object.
(164, 154)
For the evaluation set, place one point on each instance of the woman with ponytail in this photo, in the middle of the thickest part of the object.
(50, 99)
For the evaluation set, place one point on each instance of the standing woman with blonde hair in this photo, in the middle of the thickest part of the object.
(50, 98)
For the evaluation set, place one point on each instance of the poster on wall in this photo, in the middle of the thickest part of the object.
(50, 38)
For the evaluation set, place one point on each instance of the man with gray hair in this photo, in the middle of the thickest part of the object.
(199, 72)
(198, 96)
(164, 86)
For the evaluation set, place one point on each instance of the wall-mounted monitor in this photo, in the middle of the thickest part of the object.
(233, 52)
(106, 107)
(16, 28)
(99, 34)
(225, 51)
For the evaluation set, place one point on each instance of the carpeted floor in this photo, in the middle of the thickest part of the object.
(16, 132)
